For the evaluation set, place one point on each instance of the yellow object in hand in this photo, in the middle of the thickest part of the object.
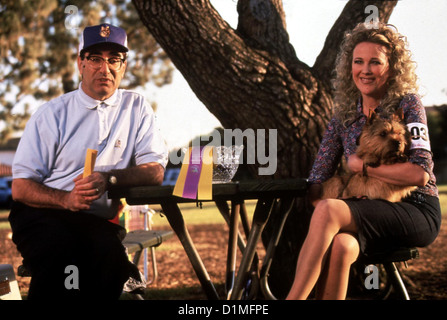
(89, 165)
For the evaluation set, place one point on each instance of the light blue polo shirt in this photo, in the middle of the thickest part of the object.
(53, 147)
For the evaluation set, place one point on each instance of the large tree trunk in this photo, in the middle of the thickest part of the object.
(251, 78)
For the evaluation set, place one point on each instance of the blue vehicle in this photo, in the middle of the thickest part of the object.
(171, 176)
(5, 192)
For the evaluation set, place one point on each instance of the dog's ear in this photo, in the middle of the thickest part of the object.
(398, 115)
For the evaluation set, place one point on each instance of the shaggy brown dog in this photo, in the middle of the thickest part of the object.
(382, 141)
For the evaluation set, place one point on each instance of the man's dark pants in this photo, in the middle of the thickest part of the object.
(64, 250)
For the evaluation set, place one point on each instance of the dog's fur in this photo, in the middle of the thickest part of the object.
(382, 141)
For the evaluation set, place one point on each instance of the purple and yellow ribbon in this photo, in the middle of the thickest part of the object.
(196, 174)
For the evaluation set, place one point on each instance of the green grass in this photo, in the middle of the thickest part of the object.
(195, 215)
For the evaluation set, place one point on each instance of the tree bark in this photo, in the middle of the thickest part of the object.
(252, 78)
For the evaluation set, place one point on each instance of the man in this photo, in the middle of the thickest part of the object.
(60, 219)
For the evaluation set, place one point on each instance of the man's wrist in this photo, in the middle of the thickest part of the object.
(110, 179)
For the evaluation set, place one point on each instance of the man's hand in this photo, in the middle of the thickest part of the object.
(86, 190)
(37, 195)
(90, 188)
(75, 202)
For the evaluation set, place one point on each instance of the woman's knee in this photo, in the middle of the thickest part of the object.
(334, 212)
(346, 247)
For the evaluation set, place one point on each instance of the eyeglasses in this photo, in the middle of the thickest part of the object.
(97, 62)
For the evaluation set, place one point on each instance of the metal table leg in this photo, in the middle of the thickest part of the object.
(284, 210)
(262, 212)
(175, 218)
(225, 212)
(232, 247)
(235, 238)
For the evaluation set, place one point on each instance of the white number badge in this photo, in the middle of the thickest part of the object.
(419, 136)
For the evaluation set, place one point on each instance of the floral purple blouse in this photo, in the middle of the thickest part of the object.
(339, 140)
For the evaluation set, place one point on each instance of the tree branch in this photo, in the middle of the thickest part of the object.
(262, 25)
(243, 86)
(212, 57)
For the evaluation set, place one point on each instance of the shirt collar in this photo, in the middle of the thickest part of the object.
(359, 106)
(360, 114)
(90, 103)
(377, 110)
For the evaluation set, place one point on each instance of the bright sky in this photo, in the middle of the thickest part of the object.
(182, 116)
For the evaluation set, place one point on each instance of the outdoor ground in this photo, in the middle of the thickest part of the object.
(426, 277)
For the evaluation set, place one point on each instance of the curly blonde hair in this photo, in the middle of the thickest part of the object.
(402, 80)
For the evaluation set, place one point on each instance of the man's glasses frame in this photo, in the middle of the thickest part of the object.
(96, 62)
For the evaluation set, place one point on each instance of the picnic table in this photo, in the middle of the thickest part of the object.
(272, 196)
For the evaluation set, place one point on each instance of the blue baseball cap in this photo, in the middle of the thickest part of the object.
(103, 34)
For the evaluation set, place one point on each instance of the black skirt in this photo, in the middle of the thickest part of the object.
(384, 225)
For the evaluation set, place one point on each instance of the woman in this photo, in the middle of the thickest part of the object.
(374, 71)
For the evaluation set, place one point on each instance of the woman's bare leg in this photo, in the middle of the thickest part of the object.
(330, 217)
(333, 283)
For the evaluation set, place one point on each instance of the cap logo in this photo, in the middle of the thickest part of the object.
(105, 31)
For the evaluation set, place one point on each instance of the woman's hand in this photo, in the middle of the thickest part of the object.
(355, 164)
(402, 174)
